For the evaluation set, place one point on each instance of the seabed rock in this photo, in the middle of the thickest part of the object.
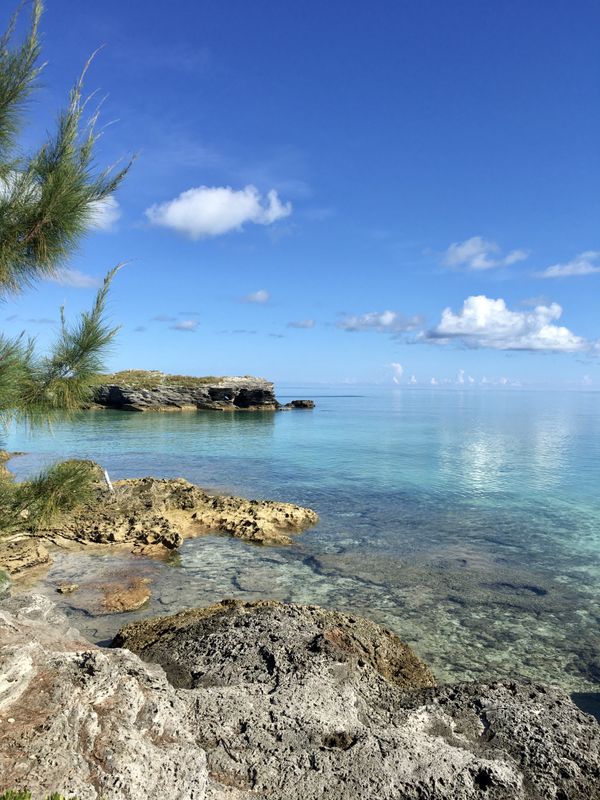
(266, 700)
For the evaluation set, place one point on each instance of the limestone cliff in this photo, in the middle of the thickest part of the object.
(155, 391)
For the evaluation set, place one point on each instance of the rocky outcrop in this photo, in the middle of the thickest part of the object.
(218, 394)
(147, 513)
(21, 553)
(298, 702)
(88, 722)
(265, 700)
(152, 516)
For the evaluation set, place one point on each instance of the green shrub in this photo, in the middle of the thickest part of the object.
(24, 794)
(39, 502)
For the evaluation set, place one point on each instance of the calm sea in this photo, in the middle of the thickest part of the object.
(466, 521)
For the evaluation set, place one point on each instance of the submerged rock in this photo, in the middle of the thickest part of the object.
(299, 702)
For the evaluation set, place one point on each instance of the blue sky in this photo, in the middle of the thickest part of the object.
(324, 190)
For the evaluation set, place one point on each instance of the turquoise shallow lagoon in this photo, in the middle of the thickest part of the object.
(467, 521)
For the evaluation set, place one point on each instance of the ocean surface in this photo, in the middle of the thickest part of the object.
(466, 521)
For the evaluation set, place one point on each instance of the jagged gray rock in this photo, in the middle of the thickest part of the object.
(81, 720)
(299, 703)
(223, 394)
(284, 702)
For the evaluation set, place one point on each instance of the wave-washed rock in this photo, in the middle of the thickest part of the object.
(154, 391)
(151, 516)
(270, 700)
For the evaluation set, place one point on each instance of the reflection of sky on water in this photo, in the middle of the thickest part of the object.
(446, 515)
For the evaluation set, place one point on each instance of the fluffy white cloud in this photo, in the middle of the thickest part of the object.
(74, 278)
(413, 379)
(189, 325)
(260, 296)
(105, 214)
(478, 254)
(398, 371)
(213, 210)
(586, 263)
(484, 322)
(460, 378)
(302, 324)
(381, 321)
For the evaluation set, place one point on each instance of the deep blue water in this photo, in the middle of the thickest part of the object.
(467, 521)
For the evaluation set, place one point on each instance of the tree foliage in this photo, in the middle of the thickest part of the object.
(48, 201)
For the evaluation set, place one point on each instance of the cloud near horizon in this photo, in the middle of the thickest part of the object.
(207, 211)
(302, 324)
(485, 322)
(479, 254)
(380, 321)
(586, 263)
(397, 371)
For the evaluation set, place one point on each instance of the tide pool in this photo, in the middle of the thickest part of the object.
(466, 521)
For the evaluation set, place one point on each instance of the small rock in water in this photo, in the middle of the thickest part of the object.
(118, 599)
(67, 588)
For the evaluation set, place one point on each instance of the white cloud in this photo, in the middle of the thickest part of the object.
(105, 214)
(433, 382)
(471, 379)
(413, 379)
(214, 210)
(260, 296)
(479, 254)
(189, 325)
(586, 263)
(483, 322)
(74, 278)
(381, 321)
(398, 371)
(302, 324)
(460, 378)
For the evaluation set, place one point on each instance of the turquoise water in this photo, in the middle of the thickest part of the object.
(468, 522)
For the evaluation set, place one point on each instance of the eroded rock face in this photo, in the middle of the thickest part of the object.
(85, 721)
(298, 702)
(150, 513)
(224, 394)
(284, 702)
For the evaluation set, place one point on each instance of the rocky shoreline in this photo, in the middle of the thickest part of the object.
(155, 391)
(152, 516)
(261, 699)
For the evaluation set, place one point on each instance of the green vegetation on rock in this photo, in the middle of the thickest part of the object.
(151, 379)
(36, 503)
(23, 794)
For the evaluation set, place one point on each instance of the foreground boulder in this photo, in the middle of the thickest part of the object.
(299, 702)
(265, 700)
(85, 721)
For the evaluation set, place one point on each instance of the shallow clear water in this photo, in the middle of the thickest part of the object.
(469, 522)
